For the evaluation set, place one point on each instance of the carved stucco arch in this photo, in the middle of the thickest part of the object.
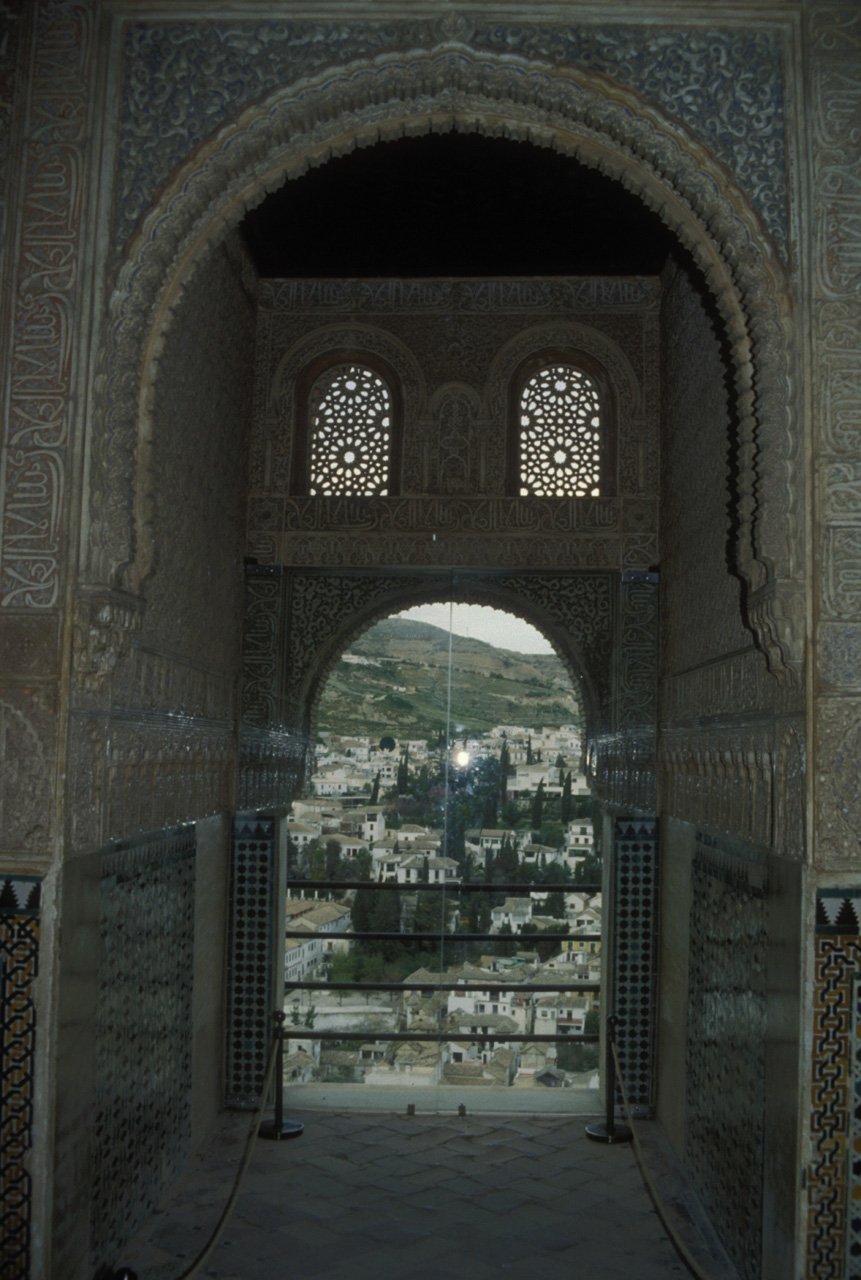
(580, 664)
(602, 124)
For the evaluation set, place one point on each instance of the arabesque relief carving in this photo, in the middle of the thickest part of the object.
(705, 77)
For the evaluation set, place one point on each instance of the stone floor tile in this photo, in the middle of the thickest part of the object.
(484, 1196)
(499, 1202)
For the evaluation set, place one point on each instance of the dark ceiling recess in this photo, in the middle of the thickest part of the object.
(454, 205)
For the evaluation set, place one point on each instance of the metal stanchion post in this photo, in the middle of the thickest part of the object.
(280, 1128)
(607, 1130)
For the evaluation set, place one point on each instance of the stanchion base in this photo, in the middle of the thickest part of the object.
(599, 1132)
(288, 1129)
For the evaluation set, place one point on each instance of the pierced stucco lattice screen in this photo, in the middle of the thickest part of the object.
(560, 435)
(350, 421)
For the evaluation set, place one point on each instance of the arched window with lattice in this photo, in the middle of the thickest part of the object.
(560, 433)
(349, 433)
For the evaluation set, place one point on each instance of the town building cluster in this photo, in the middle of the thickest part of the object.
(491, 997)
(348, 770)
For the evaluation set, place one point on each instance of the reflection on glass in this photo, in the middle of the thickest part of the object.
(435, 826)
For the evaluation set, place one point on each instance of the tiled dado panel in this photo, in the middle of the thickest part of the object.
(834, 1171)
(252, 937)
(635, 921)
(142, 1121)
(19, 953)
(725, 1051)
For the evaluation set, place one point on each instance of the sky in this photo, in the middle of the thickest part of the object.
(480, 622)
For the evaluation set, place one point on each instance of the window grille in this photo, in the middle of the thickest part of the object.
(560, 434)
(350, 419)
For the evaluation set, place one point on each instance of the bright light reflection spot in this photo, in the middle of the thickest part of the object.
(462, 758)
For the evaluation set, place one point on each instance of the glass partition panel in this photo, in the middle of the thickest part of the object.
(444, 909)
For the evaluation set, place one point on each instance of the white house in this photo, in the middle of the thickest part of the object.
(515, 912)
(479, 1002)
(562, 1015)
(302, 833)
(440, 871)
(369, 823)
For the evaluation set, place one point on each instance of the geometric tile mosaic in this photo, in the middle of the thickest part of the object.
(834, 1172)
(725, 1047)
(252, 939)
(19, 955)
(634, 930)
(142, 1115)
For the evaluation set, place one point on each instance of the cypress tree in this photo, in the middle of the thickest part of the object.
(565, 814)
(538, 807)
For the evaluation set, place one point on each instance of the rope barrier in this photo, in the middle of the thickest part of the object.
(125, 1273)
(678, 1244)
(240, 1176)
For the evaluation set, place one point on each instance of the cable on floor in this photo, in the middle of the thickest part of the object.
(678, 1244)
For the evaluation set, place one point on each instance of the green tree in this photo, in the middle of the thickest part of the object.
(431, 916)
(364, 864)
(566, 807)
(590, 870)
(506, 864)
(555, 906)
(362, 910)
(530, 759)
(385, 918)
(506, 945)
(375, 790)
(318, 861)
(544, 941)
(552, 834)
(332, 859)
(538, 806)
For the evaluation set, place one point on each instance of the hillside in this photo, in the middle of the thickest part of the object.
(395, 679)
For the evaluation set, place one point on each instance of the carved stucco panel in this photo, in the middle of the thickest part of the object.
(160, 773)
(838, 782)
(837, 374)
(27, 755)
(29, 643)
(841, 561)
(45, 301)
(464, 551)
(836, 154)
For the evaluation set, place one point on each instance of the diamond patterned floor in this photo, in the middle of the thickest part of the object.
(381, 1197)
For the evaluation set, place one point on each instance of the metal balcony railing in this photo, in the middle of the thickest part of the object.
(452, 890)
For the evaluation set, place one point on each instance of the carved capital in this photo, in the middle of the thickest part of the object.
(105, 622)
(775, 613)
